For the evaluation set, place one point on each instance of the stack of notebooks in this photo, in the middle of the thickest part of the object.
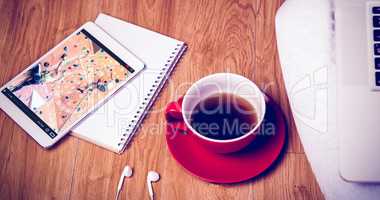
(113, 125)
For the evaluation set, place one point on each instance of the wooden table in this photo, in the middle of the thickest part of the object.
(223, 36)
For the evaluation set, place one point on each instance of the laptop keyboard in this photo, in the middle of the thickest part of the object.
(374, 33)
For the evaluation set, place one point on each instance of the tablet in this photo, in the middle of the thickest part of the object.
(54, 93)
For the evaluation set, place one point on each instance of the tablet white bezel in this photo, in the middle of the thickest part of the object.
(29, 125)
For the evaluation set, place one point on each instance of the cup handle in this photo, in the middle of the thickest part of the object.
(173, 115)
(173, 112)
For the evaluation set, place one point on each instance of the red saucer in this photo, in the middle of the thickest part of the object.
(236, 167)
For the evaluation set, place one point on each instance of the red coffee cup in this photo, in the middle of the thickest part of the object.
(178, 113)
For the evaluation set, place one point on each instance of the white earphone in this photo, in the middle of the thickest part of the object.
(152, 177)
(127, 172)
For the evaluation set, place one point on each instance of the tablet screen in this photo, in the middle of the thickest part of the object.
(67, 82)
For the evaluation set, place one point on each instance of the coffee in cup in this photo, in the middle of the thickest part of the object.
(223, 116)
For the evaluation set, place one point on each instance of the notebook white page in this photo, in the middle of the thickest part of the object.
(113, 124)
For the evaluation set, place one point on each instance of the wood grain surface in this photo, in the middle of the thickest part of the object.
(223, 36)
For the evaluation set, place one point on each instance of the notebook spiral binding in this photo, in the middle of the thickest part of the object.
(156, 87)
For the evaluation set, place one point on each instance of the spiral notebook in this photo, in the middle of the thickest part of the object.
(113, 124)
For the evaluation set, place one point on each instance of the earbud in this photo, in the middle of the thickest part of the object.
(152, 177)
(127, 172)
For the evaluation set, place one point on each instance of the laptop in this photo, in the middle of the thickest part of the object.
(357, 34)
